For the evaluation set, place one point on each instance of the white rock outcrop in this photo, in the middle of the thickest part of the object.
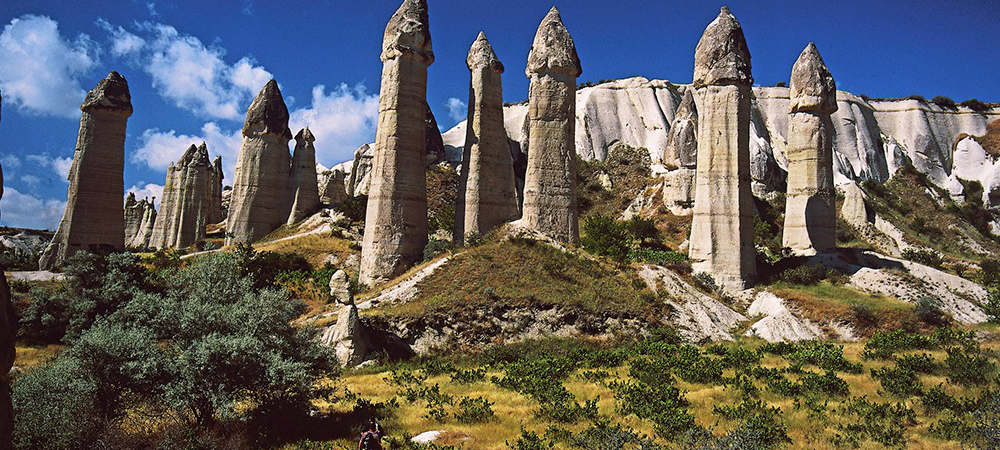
(698, 317)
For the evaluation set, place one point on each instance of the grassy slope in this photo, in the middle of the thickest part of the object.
(514, 411)
(526, 273)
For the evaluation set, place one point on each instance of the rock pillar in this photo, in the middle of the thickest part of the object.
(681, 150)
(810, 204)
(550, 179)
(396, 219)
(260, 201)
(304, 186)
(486, 190)
(186, 202)
(722, 230)
(93, 218)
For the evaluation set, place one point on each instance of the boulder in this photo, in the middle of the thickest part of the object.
(340, 288)
(347, 338)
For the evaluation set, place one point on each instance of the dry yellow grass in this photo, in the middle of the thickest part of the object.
(28, 357)
(315, 248)
(514, 411)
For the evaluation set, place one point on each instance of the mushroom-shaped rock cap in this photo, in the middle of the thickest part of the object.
(408, 33)
(812, 88)
(110, 93)
(305, 135)
(268, 113)
(722, 56)
(482, 56)
(553, 49)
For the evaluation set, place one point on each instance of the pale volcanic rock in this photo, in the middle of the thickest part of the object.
(216, 210)
(396, 219)
(359, 181)
(486, 192)
(347, 337)
(140, 217)
(332, 186)
(93, 219)
(810, 205)
(303, 180)
(550, 178)
(186, 202)
(682, 143)
(722, 234)
(340, 288)
(260, 201)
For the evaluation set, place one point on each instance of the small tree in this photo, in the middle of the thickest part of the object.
(606, 236)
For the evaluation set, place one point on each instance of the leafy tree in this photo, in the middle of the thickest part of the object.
(606, 236)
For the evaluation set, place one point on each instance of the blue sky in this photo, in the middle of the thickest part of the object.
(193, 66)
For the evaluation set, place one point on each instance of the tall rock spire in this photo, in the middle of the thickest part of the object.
(216, 213)
(304, 186)
(550, 179)
(93, 219)
(186, 202)
(810, 204)
(682, 141)
(486, 191)
(260, 201)
(396, 219)
(722, 227)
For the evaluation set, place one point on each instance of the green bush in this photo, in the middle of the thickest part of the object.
(921, 363)
(263, 268)
(975, 105)
(705, 282)
(929, 311)
(605, 236)
(354, 208)
(827, 384)
(884, 344)
(924, 256)
(55, 407)
(898, 381)
(435, 247)
(474, 410)
(944, 102)
(967, 366)
(804, 275)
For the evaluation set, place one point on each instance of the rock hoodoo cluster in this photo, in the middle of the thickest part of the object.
(191, 196)
(140, 218)
(396, 219)
(722, 227)
(486, 191)
(810, 205)
(93, 219)
(332, 185)
(260, 202)
(550, 179)
(304, 186)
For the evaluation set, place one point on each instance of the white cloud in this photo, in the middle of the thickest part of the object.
(457, 109)
(123, 43)
(61, 165)
(341, 121)
(40, 70)
(10, 161)
(30, 180)
(147, 190)
(190, 74)
(157, 149)
(26, 211)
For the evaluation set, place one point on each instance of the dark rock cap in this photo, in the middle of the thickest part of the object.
(305, 135)
(482, 56)
(268, 113)
(812, 87)
(408, 33)
(553, 49)
(110, 93)
(722, 56)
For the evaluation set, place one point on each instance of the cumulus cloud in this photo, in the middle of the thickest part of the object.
(191, 75)
(147, 190)
(157, 149)
(457, 109)
(10, 161)
(61, 165)
(40, 69)
(30, 180)
(26, 211)
(341, 120)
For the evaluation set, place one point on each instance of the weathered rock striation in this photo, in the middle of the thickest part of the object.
(216, 211)
(682, 142)
(260, 201)
(304, 186)
(550, 179)
(396, 219)
(722, 227)
(486, 191)
(810, 204)
(187, 201)
(140, 218)
(93, 218)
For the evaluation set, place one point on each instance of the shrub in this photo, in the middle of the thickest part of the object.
(921, 363)
(992, 306)
(805, 275)
(605, 236)
(263, 268)
(55, 407)
(936, 400)
(529, 440)
(975, 105)
(603, 435)
(924, 256)
(474, 410)
(354, 208)
(898, 381)
(918, 98)
(944, 102)
(883, 344)
(929, 311)
(825, 355)
(643, 231)
(967, 367)
(435, 247)
(864, 316)
(826, 384)
(705, 282)
(989, 273)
